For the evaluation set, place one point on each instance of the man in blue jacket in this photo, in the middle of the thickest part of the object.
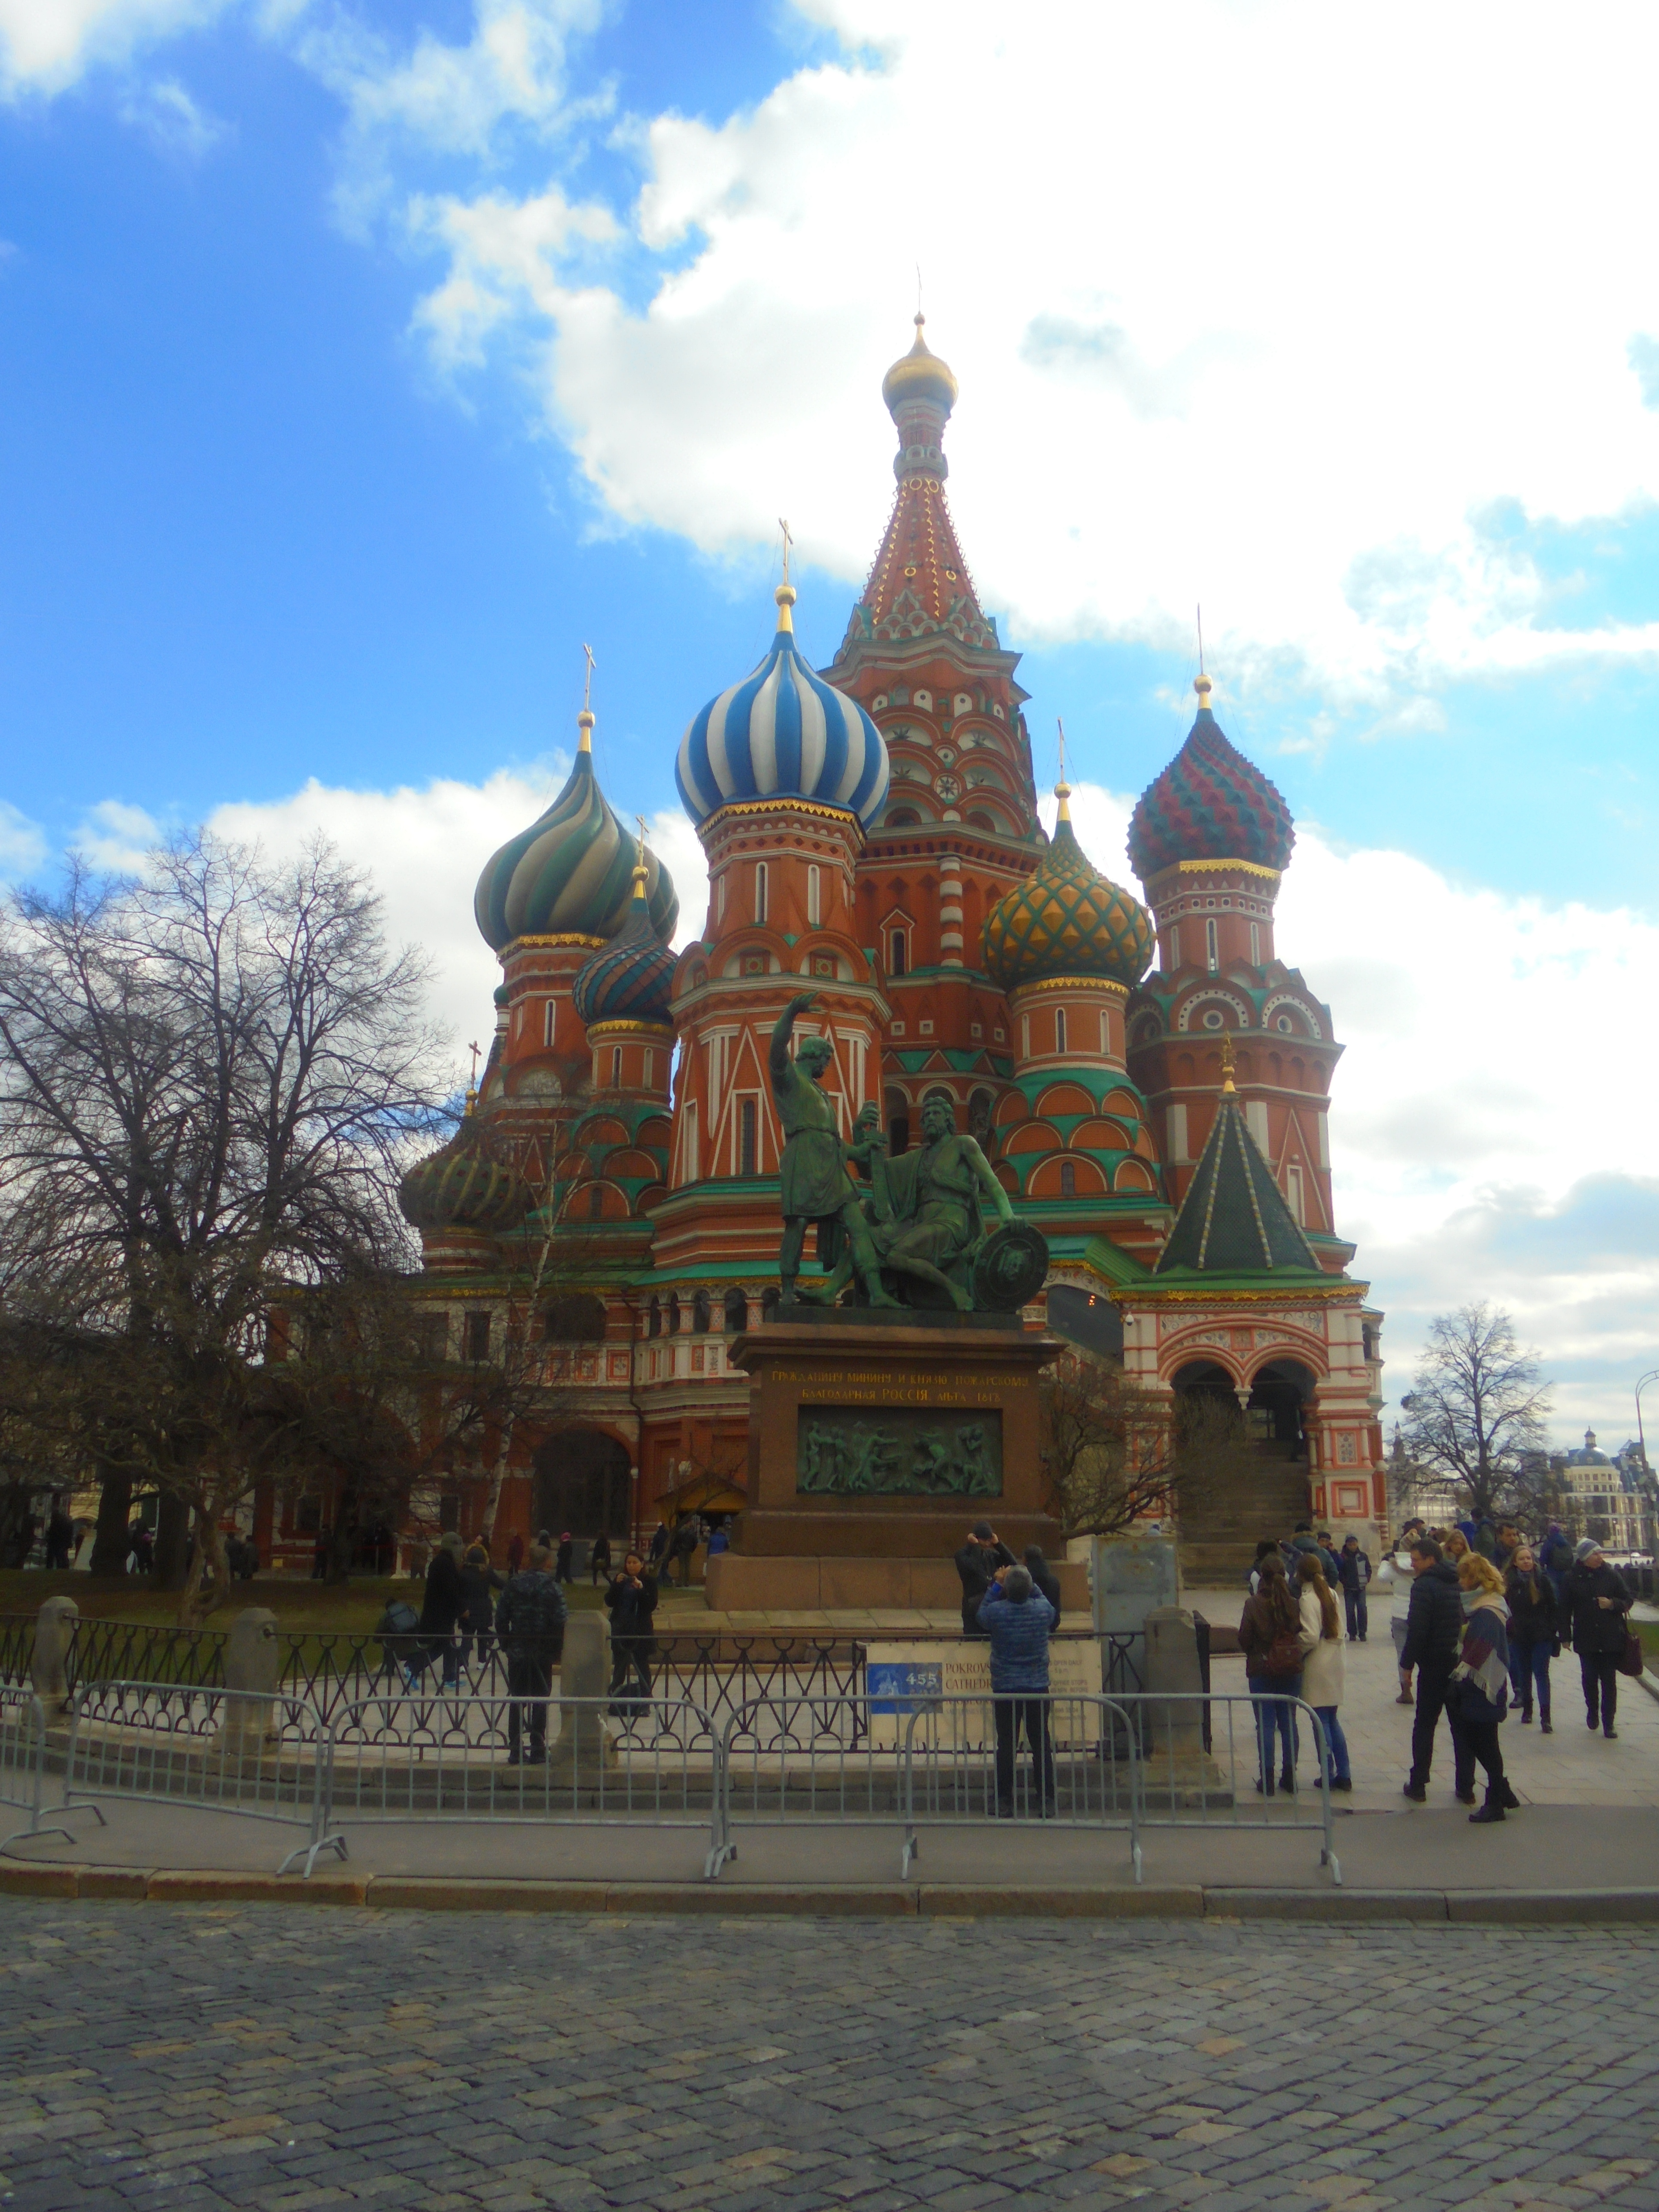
(1017, 1617)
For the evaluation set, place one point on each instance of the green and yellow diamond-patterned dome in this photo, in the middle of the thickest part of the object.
(1066, 919)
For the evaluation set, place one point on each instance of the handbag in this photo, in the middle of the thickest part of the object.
(1632, 1660)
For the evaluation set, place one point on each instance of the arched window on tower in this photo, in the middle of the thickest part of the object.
(1175, 947)
(1068, 1178)
(736, 1312)
(673, 1313)
(898, 953)
(1255, 944)
(700, 1314)
(654, 1317)
(1211, 946)
(1059, 1028)
(746, 1118)
(616, 1067)
(759, 890)
(814, 898)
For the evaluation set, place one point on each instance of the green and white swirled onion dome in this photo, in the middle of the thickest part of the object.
(632, 980)
(1210, 804)
(783, 732)
(1066, 919)
(570, 874)
(463, 1186)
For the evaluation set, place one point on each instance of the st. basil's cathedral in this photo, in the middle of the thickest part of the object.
(1150, 1081)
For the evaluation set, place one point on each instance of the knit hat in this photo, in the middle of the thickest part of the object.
(1585, 1548)
(982, 1532)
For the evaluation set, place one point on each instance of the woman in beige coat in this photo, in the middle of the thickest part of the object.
(1321, 1662)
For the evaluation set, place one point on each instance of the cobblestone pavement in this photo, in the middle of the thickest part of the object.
(186, 2056)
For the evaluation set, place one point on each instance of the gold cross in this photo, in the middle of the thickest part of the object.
(587, 680)
(788, 542)
(473, 1049)
(1060, 727)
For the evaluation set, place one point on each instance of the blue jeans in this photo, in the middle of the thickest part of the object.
(1359, 1613)
(1529, 1670)
(1275, 1715)
(1337, 1741)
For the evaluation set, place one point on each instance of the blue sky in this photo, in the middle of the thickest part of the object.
(358, 363)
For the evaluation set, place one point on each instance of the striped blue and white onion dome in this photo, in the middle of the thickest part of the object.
(783, 732)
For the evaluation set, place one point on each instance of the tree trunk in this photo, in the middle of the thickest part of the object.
(109, 1545)
(171, 1559)
(207, 1578)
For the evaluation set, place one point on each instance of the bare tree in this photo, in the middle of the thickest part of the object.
(1108, 1449)
(209, 1080)
(1477, 1412)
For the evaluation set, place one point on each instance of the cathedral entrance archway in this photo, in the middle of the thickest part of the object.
(579, 1481)
(1276, 1417)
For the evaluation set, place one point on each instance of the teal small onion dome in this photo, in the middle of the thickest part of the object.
(632, 978)
(501, 996)
(1210, 804)
(1066, 919)
(571, 873)
(783, 732)
(463, 1186)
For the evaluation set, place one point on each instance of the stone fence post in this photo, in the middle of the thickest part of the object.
(55, 1625)
(253, 1666)
(584, 1672)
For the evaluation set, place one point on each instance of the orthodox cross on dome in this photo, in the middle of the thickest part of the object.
(1062, 789)
(585, 719)
(1227, 1067)
(472, 1081)
(785, 594)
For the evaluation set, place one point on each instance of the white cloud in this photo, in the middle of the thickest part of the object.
(170, 115)
(1491, 1131)
(47, 45)
(117, 837)
(22, 847)
(1276, 303)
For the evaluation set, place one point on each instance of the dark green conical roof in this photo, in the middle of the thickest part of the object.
(1234, 1219)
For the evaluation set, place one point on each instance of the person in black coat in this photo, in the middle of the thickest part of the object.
(977, 1563)
(631, 1602)
(1534, 1633)
(442, 1609)
(479, 1583)
(598, 1559)
(1599, 1600)
(1044, 1578)
(1434, 1637)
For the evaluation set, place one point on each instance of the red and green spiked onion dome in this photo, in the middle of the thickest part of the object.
(1210, 804)
(1066, 919)
(631, 979)
(463, 1186)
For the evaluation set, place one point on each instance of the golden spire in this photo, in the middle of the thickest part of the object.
(585, 719)
(1062, 789)
(472, 1084)
(1203, 686)
(1227, 1091)
(641, 871)
(785, 594)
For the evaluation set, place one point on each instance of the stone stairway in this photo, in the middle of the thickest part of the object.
(1218, 1534)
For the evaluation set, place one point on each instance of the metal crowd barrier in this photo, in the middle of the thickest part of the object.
(23, 1769)
(1065, 1758)
(910, 1763)
(220, 1751)
(1201, 1767)
(575, 1762)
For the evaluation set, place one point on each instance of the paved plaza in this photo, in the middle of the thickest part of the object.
(191, 2057)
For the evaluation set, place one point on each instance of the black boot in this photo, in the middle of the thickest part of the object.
(1506, 1797)
(1489, 1812)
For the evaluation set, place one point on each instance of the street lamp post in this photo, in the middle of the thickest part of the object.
(1652, 1375)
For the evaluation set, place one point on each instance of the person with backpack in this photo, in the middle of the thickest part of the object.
(1353, 1569)
(1434, 1635)
(530, 1620)
(631, 1602)
(1270, 1637)
(1600, 1600)
(1535, 1627)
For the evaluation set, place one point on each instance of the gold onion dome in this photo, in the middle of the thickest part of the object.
(463, 1186)
(919, 375)
(1066, 919)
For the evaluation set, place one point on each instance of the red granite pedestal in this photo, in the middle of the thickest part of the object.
(802, 1548)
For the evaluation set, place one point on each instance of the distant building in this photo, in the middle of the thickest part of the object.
(1613, 1498)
